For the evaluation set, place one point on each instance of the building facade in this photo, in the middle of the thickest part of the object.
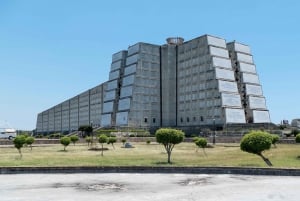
(198, 83)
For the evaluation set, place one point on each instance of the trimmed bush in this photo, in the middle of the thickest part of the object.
(19, 141)
(123, 141)
(169, 138)
(29, 141)
(88, 140)
(256, 142)
(65, 141)
(102, 139)
(148, 141)
(201, 143)
(112, 140)
(275, 139)
(74, 139)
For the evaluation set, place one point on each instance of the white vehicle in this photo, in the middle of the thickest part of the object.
(8, 133)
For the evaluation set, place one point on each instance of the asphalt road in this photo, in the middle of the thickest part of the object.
(144, 187)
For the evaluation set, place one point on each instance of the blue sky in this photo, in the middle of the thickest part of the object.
(52, 50)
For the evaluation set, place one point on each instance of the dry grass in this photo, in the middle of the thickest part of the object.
(184, 154)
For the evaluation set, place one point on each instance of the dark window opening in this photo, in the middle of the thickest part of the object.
(181, 120)
(194, 118)
(145, 119)
(153, 120)
(201, 118)
(188, 119)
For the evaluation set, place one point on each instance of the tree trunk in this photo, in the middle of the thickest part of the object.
(267, 161)
(102, 150)
(20, 153)
(169, 157)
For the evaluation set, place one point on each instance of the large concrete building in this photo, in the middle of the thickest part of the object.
(198, 83)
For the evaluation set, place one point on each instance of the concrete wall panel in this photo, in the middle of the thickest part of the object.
(122, 118)
(253, 90)
(126, 91)
(124, 104)
(224, 74)
(112, 85)
(132, 59)
(227, 86)
(250, 78)
(114, 75)
(108, 107)
(133, 49)
(221, 62)
(244, 67)
(257, 102)
(219, 52)
(128, 80)
(242, 48)
(261, 116)
(235, 115)
(231, 100)
(110, 95)
(118, 56)
(216, 41)
(244, 57)
(106, 120)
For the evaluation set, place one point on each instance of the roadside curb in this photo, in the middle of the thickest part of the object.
(153, 170)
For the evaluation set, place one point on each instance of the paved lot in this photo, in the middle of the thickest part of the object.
(143, 187)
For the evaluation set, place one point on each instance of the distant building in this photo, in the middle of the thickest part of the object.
(199, 83)
(295, 123)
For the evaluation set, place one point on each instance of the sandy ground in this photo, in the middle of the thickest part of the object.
(143, 187)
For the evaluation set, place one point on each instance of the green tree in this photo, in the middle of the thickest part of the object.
(74, 139)
(102, 139)
(29, 141)
(297, 138)
(201, 143)
(65, 141)
(19, 141)
(123, 141)
(275, 139)
(169, 138)
(112, 140)
(256, 142)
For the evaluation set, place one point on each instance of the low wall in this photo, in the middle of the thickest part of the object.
(143, 169)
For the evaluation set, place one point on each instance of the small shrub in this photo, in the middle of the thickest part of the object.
(256, 142)
(19, 141)
(169, 137)
(297, 138)
(195, 139)
(102, 139)
(123, 141)
(29, 141)
(201, 143)
(74, 139)
(65, 141)
(112, 140)
(148, 141)
(275, 139)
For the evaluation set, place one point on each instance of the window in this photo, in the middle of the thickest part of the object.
(181, 119)
(153, 120)
(145, 119)
(194, 118)
(188, 119)
(201, 118)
